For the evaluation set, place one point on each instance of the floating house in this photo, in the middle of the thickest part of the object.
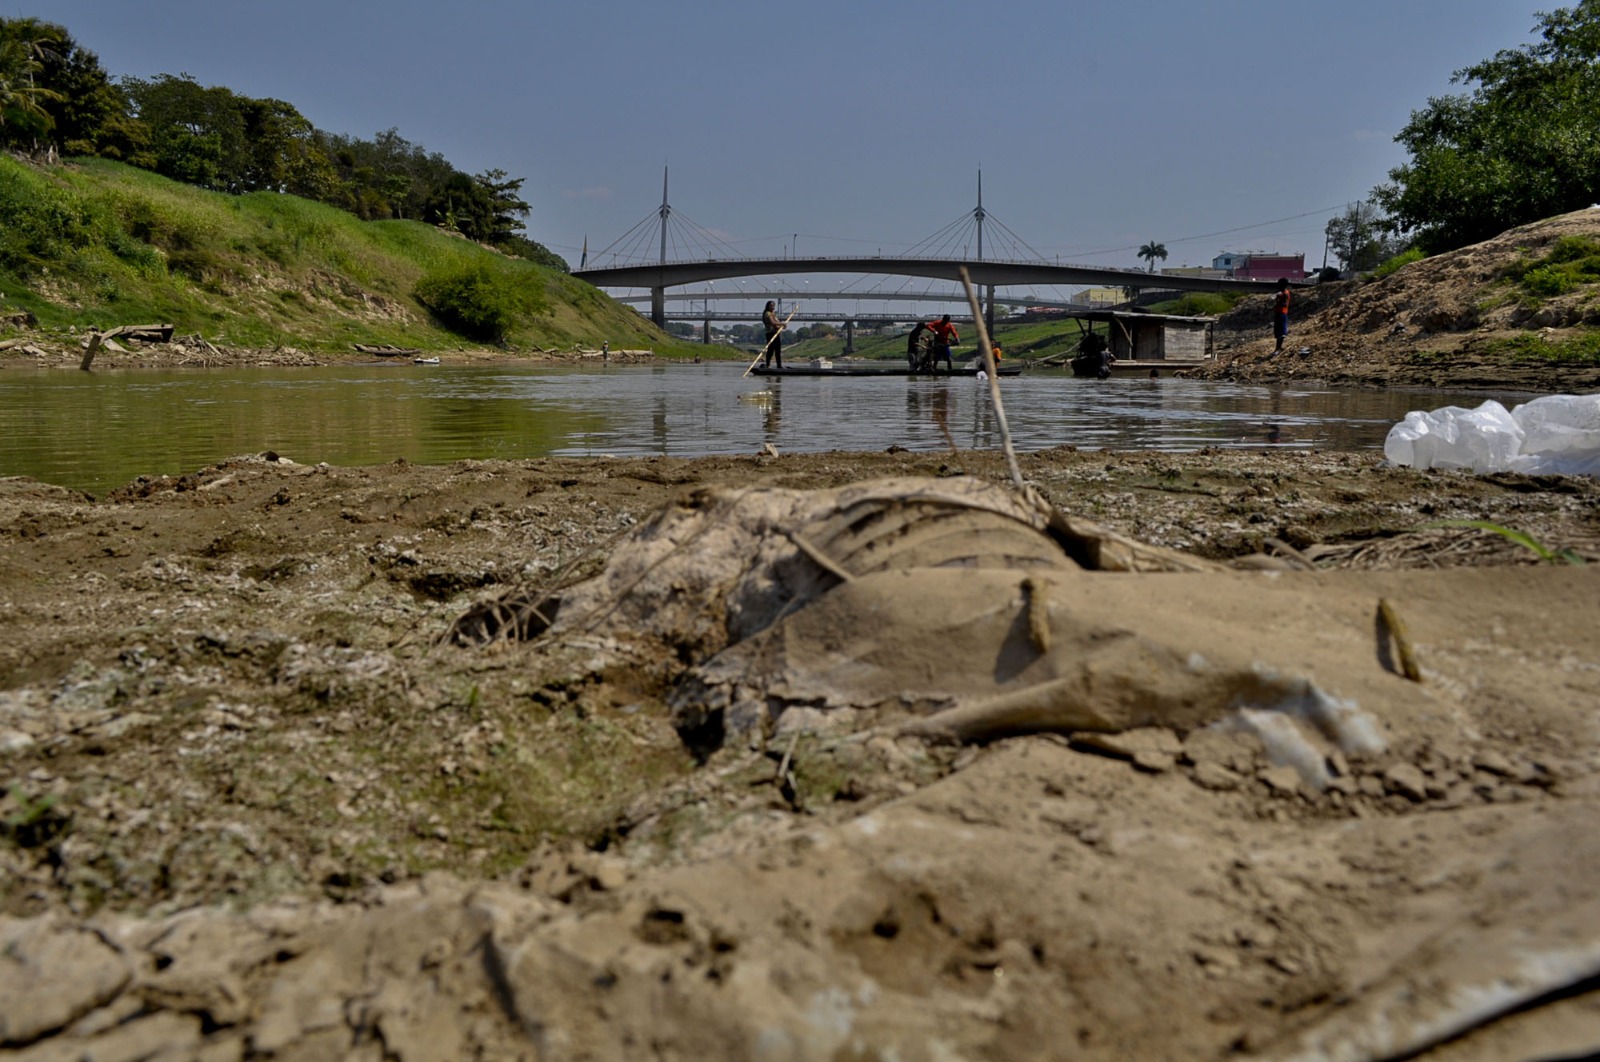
(1140, 342)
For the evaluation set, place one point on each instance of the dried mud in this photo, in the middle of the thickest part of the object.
(255, 808)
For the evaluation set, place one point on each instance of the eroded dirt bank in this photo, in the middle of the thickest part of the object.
(1458, 319)
(254, 808)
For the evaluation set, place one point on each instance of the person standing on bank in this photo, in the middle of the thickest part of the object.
(944, 337)
(773, 351)
(1280, 315)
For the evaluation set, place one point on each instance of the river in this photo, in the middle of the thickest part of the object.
(98, 430)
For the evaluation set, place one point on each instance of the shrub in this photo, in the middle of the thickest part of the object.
(1548, 281)
(1400, 260)
(478, 301)
(1573, 249)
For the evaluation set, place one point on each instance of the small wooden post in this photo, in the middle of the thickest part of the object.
(95, 339)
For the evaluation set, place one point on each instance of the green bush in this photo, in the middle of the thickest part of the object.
(1394, 264)
(1573, 249)
(1548, 281)
(478, 301)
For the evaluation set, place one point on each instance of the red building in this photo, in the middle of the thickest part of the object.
(1255, 265)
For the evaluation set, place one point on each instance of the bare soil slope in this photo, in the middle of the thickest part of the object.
(1432, 323)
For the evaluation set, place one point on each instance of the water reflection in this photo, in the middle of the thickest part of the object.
(98, 430)
(772, 420)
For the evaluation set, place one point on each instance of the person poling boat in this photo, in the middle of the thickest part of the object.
(774, 345)
(774, 348)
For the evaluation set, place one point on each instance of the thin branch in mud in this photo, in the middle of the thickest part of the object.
(821, 559)
(1283, 549)
(994, 383)
(1037, 593)
(1396, 630)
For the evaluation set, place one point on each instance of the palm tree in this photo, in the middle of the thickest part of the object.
(19, 96)
(1151, 251)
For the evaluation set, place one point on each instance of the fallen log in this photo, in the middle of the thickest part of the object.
(384, 350)
(153, 333)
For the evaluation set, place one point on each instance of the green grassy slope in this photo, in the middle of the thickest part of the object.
(96, 243)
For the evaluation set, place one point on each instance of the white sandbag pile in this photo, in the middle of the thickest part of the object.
(1553, 435)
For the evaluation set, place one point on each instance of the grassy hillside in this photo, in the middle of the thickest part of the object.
(96, 243)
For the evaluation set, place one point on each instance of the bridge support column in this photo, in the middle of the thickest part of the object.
(849, 337)
(658, 306)
(988, 313)
(705, 334)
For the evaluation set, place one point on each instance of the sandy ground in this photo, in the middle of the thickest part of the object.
(256, 807)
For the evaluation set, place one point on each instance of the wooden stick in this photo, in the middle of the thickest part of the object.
(770, 338)
(1402, 642)
(994, 383)
(95, 339)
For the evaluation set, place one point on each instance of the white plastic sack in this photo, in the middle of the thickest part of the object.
(1553, 435)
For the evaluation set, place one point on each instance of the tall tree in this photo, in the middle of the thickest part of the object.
(197, 134)
(1151, 251)
(1522, 144)
(1359, 239)
(82, 112)
(23, 99)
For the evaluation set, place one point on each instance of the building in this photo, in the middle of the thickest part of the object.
(1098, 297)
(1261, 265)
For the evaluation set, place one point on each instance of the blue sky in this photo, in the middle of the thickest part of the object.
(844, 127)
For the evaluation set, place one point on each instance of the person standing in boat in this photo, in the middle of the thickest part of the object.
(773, 351)
(945, 336)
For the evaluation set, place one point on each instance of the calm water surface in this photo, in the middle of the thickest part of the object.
(98, 430)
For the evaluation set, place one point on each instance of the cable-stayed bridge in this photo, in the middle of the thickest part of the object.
(699, 257)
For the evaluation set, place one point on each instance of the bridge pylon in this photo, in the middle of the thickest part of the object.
(658, 295)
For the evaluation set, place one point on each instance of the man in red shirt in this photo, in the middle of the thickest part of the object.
(944, 336)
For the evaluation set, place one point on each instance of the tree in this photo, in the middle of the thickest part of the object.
(1522, 144)
(23, 100)
(1151, 251)
(80, 110)
(1359, 239)
(196, 134)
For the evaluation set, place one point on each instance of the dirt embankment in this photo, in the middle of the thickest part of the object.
(254, 808)
(1434, 323)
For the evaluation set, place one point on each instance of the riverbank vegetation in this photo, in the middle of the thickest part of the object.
(57, 100)
(98, 243)
(1518, 146)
